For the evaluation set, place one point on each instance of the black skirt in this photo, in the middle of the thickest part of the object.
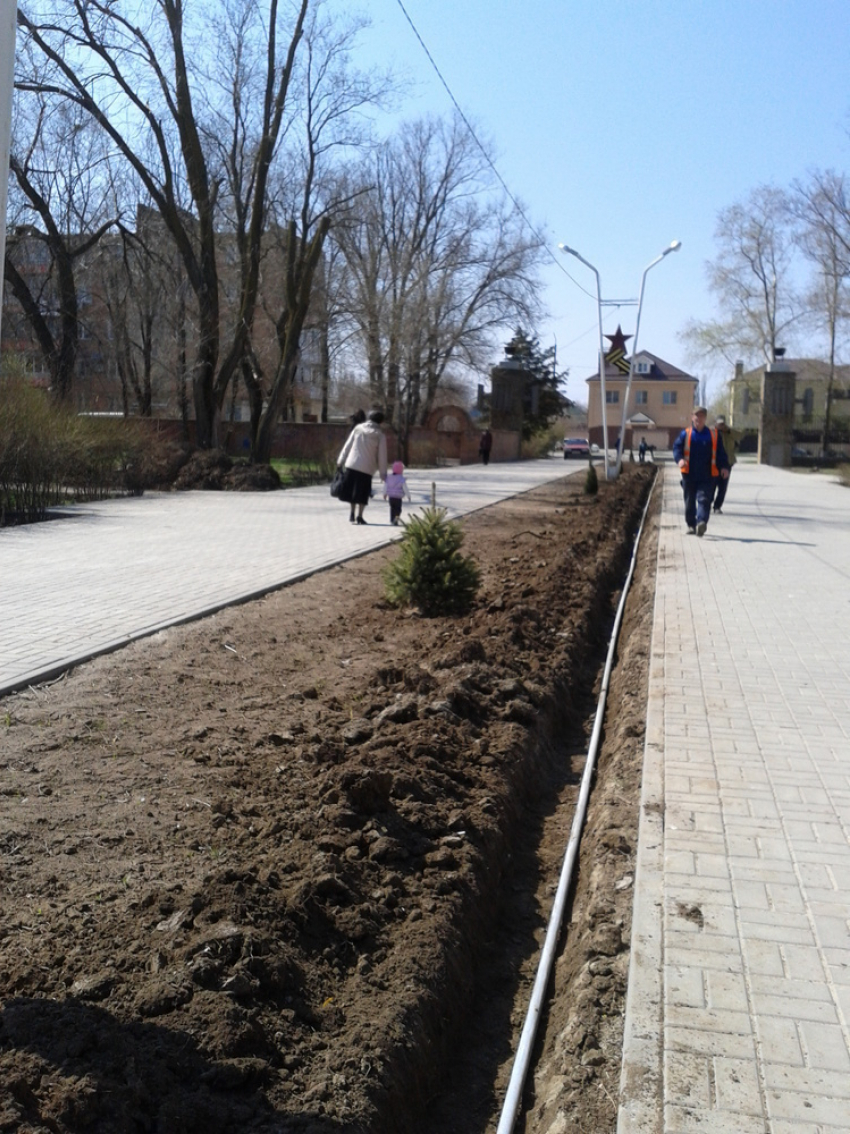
(356, 487)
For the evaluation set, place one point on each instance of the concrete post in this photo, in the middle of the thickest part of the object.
(507, 383)
(776, 415)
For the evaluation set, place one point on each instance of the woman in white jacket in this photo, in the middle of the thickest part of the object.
(362, 455)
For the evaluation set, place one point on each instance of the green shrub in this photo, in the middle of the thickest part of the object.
(430, 571)
(591, 481)
(296, 470)
(29, 450)
(50, 454)
(540, 444)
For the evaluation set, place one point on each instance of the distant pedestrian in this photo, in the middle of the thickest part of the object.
(395, 489)
(485, 444)
(642, 450)
(702, 460)
(363, 454)
(731, 438)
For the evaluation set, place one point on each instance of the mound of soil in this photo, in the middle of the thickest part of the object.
(210, 469)
(259, 869)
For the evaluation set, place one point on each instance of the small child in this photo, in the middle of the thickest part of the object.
(395, 489)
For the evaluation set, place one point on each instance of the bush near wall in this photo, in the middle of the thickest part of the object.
(50, 455)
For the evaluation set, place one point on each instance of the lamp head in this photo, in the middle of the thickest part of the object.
(566, 248)
(674, 247)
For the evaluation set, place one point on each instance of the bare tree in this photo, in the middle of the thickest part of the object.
(278, 297)
(226, 116)
(140, 82)
(139, 284)
(752, 282)
(61, 205)
(435, 264)
(822, 213)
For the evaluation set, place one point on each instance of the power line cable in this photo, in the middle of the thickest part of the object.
(536, 232)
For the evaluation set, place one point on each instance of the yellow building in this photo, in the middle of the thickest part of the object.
(811, 382)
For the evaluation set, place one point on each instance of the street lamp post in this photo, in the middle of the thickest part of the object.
(673, 247)
(8, 21)
(572, 252)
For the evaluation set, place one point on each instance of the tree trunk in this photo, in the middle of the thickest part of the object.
(326, 370)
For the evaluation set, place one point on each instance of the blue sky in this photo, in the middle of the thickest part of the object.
(625, 124)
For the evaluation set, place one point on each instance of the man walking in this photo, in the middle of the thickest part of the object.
(730, 438)
(702, 461)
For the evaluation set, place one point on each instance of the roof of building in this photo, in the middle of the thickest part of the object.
(806, 369)
(659, 371)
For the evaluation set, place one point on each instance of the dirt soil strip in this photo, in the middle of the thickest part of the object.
(573, 1083)
(576, 1079)
(254, 868)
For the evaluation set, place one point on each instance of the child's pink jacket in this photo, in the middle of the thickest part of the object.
(395, 487)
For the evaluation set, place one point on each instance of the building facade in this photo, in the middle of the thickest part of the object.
(661, 400)
(137, 323)
(811, 390)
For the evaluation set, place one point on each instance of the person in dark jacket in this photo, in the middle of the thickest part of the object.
(702, 461)
(730, 438)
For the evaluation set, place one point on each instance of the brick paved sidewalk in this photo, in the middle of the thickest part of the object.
(122, 569)
(738, 1015)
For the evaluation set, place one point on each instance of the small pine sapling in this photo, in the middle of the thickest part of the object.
(430, 572)
(591, 481)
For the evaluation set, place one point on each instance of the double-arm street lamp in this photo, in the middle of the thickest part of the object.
(572, 252)
(673, 247)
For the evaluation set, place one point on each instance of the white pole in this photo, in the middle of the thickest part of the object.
(587, 264)
(631, 370)
(674, 247)
(602, 394)
(8, 22)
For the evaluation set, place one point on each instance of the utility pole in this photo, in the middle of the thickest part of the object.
(8, 22)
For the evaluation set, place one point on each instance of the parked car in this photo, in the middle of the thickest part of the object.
(802, 458)
(576, 447)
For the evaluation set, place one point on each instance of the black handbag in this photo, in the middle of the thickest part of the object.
(336, 483)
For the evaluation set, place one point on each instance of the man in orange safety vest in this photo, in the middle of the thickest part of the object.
(702, 461)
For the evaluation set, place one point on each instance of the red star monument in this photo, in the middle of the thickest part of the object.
(618, 341)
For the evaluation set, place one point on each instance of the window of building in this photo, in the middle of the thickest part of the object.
(808, 403)
(668, 397)
(641, 397)
(745, 400)
(781, 400)
(612, 397)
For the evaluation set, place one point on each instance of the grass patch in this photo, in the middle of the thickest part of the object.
(298, 472)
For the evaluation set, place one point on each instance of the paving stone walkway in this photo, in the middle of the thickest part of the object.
(738, 1016)
(110, 572)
